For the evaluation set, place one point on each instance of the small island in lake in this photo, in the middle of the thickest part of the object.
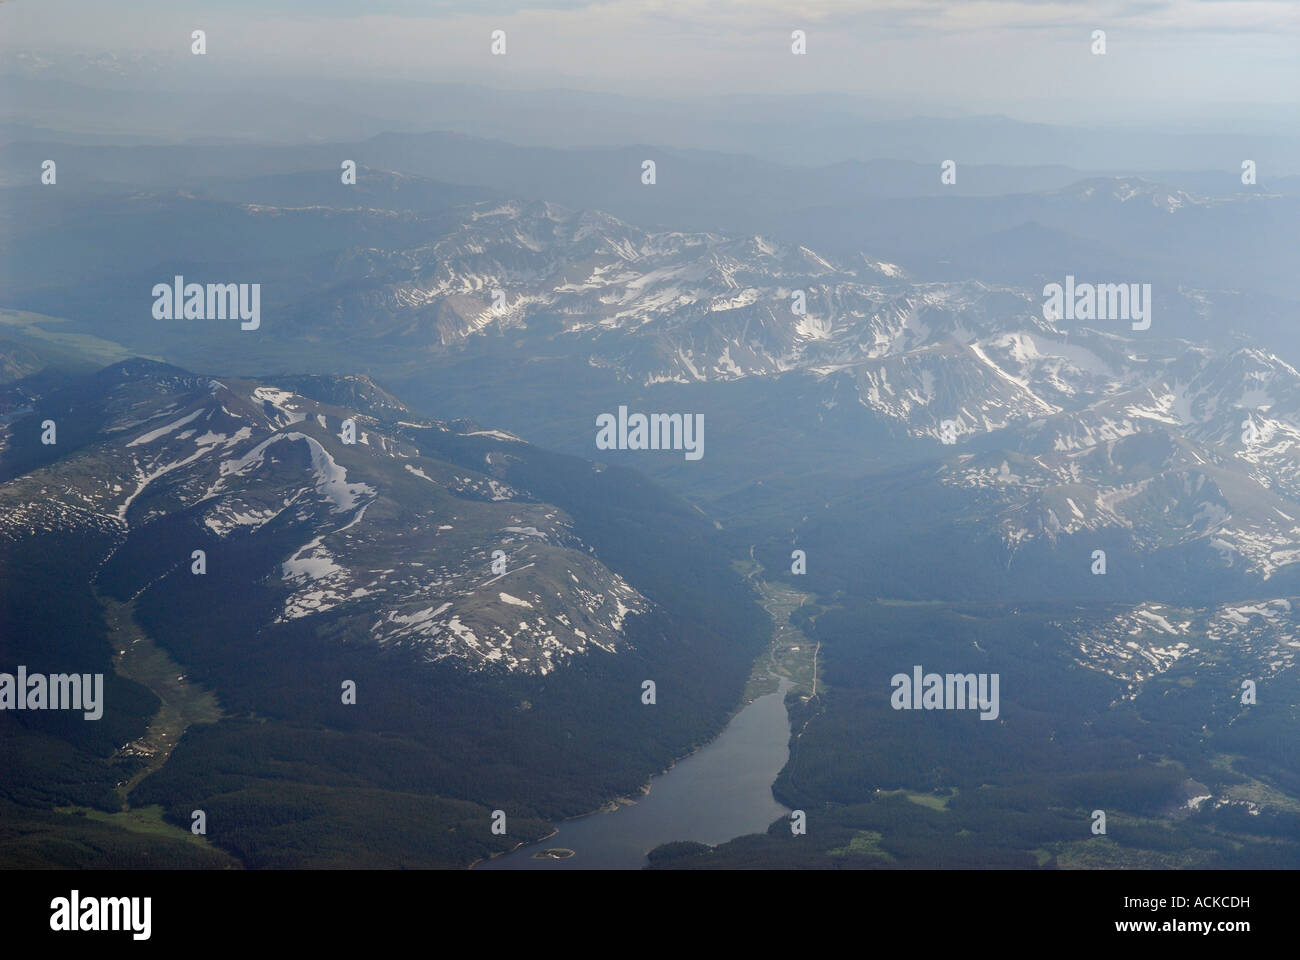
(553, 853)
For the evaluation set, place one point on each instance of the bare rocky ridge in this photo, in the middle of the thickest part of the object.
(1135, 432)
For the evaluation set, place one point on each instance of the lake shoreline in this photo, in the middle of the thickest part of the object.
(780, 643)
(624, 803)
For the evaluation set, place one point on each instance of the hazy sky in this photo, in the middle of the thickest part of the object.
(967, 54)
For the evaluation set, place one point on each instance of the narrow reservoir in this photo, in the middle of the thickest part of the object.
(721, 791)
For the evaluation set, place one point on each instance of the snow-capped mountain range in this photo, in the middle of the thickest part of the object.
(368, 535)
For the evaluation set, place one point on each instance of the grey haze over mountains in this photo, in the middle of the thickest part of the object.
(168, 102)
(598, 311)
(1104, 513)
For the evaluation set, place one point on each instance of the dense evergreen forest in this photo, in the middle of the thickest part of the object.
(410, 775)
(885, 788)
